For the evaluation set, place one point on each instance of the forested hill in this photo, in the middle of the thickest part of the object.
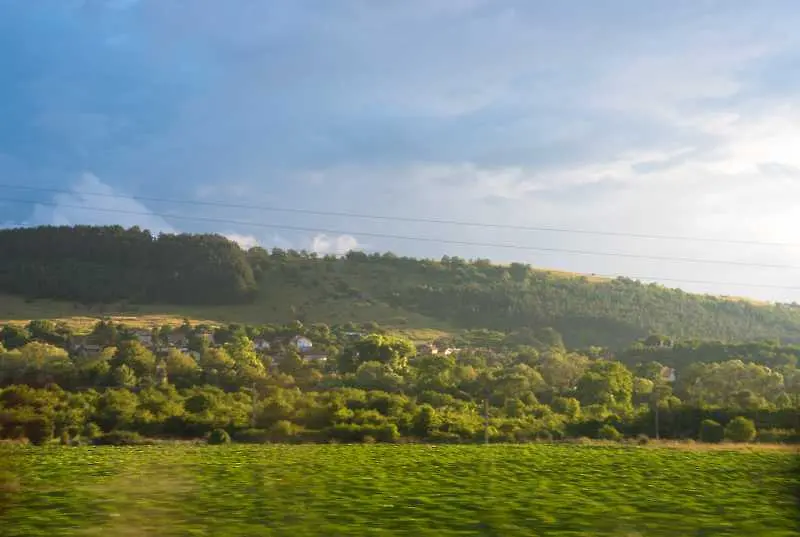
(112, 265)
(107, 264)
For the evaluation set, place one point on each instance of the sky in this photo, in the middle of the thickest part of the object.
(627, 119)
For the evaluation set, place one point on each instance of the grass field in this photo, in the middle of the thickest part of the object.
(17, 310)
(414, 490)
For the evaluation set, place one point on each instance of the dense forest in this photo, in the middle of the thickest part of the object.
(319, 383)
(89, 265)
(106, 264)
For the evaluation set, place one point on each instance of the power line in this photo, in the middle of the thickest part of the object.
(409, 238)
(345, 214)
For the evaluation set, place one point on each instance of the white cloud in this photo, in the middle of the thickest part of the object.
(92, 202)
(324, 244)
(245, 241)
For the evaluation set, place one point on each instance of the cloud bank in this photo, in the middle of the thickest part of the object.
(661, 118)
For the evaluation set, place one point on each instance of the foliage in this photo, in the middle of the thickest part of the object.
(740, 429)
(119, 438)
(393, 393)
(219, 436)
(443, 490)
(523, 306)
(609, 432)
(105, 264)
(711, 431)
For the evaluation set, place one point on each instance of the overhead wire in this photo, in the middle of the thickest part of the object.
(395, 218)
(437, 240)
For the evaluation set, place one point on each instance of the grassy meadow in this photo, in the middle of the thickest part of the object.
(414, 490)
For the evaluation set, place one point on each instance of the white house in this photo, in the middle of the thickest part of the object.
(302, 343)
(261, 344)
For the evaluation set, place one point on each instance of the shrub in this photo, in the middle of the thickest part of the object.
(777, 436)
(282, 430)
(740, 429)
(608, 432)
(442, 437)
(39, 431)
(642, 439)
(252, 436)
(711, 432)
(91, 430)
(119, 438)
(219, 436)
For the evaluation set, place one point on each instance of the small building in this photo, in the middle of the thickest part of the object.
(208, 337)
(427, 348)
(261, 344)
(668, 374)
(315, 358)
(302, 344)
(145, 337)
(177, 339)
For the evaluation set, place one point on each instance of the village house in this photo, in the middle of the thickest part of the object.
(177, 339)
(302, 344)
(315, 358)
(208, 337)
(261, 344)
(427, 348)
(145, 337)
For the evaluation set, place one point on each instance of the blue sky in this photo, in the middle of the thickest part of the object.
(667, 118)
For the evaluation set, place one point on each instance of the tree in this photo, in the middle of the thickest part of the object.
(561, 371)
(740, 429)
(389, 350)
(711, 431)
(219, 436)
(426, 421)
(606, 383)
(377, 376)
(135, 356)
(609, 432)
(123, 376)
(181, 368)
(13, 337)
(115, 409)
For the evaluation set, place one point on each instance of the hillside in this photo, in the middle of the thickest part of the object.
(209, 278)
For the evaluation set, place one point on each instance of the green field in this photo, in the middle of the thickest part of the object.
(414, 490)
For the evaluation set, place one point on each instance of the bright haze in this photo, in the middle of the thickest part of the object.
(678, 118)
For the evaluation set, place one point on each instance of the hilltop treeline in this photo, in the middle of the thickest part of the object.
(107, 264)
(112, 264)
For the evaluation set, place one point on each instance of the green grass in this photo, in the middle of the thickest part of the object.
(414, 490)
(274, 308)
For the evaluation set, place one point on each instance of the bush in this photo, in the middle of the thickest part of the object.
(252, 436)
(282, 430)
(91, 430)
(740, 429)
(39, 431)
(777, 436)
(642, 439)
(119, 438)
(711, 432)
(219, 436)
(442, 437)
(608, 432)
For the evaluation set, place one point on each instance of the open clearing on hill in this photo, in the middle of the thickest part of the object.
(414, 490)
(79, 317)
